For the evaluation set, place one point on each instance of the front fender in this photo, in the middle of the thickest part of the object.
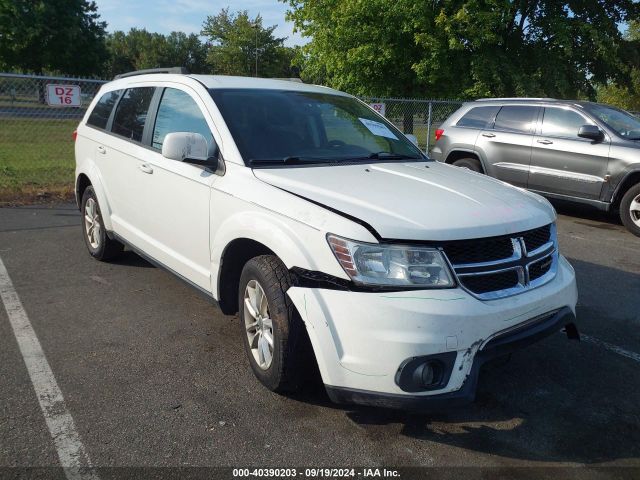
(295, 243)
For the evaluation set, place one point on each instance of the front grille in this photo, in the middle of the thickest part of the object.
(501, 266)
(534, 239)
(491, 282)
(477, 251)
(538, 269)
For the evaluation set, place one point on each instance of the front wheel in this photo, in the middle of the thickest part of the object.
(630, 210)
(273, 333)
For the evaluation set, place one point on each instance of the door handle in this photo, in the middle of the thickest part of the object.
(488, 135)
(145, 168)
(545, 142)
(101, 150)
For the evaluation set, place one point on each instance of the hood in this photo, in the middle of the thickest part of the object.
(418, 200)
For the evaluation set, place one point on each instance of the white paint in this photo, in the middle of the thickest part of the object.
(73, 456)
(611, 347)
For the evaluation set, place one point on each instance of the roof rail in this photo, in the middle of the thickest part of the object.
(497, 99)
(177, 70)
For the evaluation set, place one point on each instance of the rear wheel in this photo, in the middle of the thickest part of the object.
(100, 246)
(470, 163)
(630, 210)
(273, 333)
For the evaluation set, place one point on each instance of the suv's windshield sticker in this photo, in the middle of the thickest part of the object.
(377, 128)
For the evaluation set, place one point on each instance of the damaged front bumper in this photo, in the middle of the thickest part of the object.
(363, 340)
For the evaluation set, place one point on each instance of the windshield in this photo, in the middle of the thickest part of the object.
(623, 123)
(285, 127)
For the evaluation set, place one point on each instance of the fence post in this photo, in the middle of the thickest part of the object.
(428, 129)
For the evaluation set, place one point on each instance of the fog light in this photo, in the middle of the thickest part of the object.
(431, 373)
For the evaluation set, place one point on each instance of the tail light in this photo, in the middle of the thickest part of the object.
(74, 135)
(439, 133)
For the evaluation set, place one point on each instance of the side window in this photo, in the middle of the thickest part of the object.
(101, 112)
(560, 122)
(519, 119)
(131, 113)
(478, 117)
(178, 112)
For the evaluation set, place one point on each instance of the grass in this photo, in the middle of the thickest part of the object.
(36, 159)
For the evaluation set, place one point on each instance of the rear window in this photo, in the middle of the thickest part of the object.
(516, 118)
(101, 112)
(131, 113)
(478, 117)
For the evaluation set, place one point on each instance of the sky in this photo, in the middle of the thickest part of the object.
(165, 16)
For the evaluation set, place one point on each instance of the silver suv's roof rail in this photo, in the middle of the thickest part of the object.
(177, 70)
(514, 99)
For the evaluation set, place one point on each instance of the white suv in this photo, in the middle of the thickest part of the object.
(335, 239)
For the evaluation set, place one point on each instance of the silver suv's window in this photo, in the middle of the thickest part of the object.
(562, 122)
(516, 118)
(131, 113)
(178, 112)
(625, 125)
(478, 117)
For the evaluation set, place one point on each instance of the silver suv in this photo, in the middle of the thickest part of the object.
(579, 151)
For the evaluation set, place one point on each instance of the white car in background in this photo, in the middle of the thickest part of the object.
(330, 234)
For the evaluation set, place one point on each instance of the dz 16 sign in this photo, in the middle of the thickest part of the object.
(379, 107)
(63, 95)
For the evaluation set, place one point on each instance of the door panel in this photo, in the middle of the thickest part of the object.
(562, 162)
(176, 217)
(119, 159)
(506, 144)
(176, 204)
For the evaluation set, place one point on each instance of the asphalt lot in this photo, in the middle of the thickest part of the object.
(154, 375)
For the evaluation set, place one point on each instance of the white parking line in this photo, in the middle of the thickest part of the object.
(611, 347)
(73, 456)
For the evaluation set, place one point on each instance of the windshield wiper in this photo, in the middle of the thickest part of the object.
(292, 160)
(391, 156)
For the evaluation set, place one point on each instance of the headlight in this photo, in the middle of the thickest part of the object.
(391, 265)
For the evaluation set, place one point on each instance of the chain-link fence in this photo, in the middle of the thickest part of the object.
(416, 116)
(37, 118)
(38, 115)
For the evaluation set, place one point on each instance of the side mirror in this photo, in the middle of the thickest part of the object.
(592, 132)
(185, 146)
(412, 138)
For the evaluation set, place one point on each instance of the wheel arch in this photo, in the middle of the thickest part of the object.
(252, 233)
(458, 154)
(630, 179)
(89, 176)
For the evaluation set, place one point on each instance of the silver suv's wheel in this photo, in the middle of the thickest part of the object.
(630, 210)
(100, 246)
(274, 335)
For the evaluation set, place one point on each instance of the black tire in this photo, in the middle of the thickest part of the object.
(291, 347)
(103, 248)
(630, 219)
(470, 163)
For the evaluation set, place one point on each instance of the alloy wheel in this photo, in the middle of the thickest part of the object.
(634, 210)
(92, 226)
(258, 324)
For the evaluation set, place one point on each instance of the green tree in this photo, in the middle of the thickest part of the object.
(626, 93)
(462, 48)
(237, 40)
(139, 49)
(52, 35)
